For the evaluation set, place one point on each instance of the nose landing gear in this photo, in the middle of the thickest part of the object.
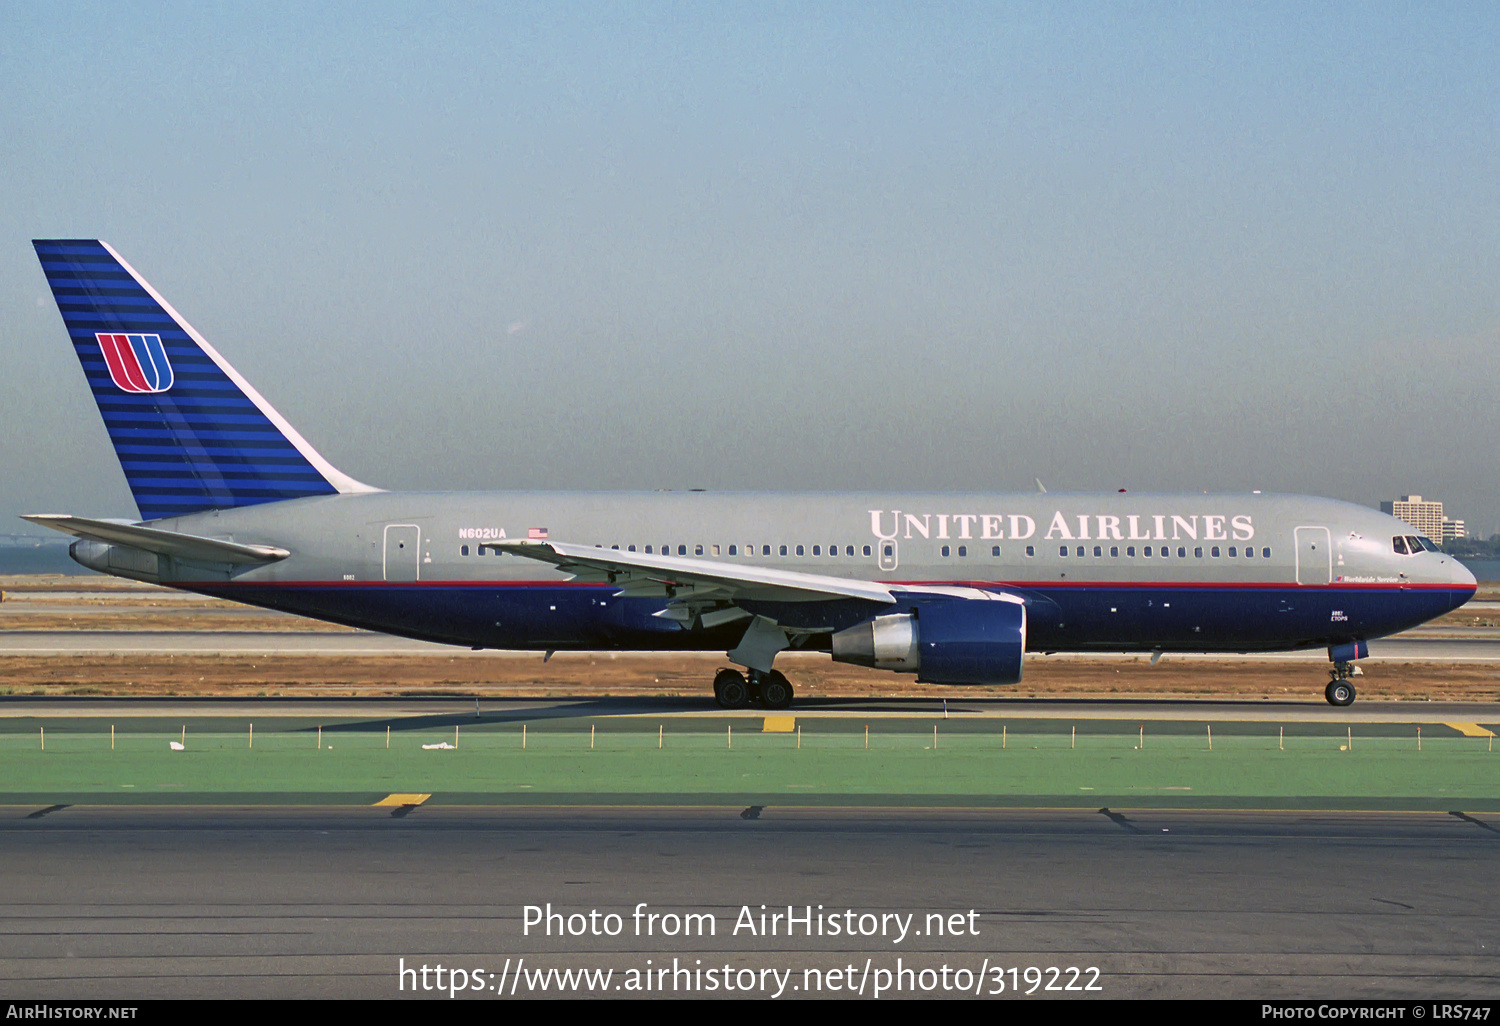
(1340, 691)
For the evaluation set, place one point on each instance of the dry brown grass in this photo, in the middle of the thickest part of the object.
(598, 675)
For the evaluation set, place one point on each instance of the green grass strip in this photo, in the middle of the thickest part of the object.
(982, 766)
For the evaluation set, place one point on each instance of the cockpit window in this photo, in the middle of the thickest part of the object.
(1427, 543)
(1399, 544)
(1413, 543)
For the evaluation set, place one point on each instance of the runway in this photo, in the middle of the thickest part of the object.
(172, 902)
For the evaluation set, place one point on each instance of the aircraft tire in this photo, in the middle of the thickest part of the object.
(776, 690)
(731, 690)
(1339, 693)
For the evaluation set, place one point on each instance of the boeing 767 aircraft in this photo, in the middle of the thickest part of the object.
(954, 587)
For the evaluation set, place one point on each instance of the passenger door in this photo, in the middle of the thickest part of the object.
(1314, 556)
(403, 556)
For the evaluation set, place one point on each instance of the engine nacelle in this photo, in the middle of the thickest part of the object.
(959, 641)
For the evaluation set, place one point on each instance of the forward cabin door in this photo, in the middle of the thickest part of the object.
(1314, 556)
(402, 552)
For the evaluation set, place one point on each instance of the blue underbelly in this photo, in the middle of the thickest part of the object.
(1060, 619)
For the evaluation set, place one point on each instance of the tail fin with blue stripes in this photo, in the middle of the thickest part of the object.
(190, 432)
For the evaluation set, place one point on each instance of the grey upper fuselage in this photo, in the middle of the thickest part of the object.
(341, 537)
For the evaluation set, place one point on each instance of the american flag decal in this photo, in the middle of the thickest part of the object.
(536, 533)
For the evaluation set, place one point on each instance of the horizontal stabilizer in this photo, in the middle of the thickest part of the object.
(163, 543)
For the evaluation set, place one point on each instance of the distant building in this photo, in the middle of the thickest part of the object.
(1453, 530)
(1426, 517)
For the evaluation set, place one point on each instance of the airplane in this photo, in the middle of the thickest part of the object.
(954, 587)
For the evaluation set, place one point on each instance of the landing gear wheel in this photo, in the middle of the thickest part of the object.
(775, 690)
(1339, 692)
(730, 689)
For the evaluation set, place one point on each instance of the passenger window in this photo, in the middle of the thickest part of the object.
(648, 550)
(716, 550)
(1098, 550)
(630, 548)
(783, 550)
(945, 550)
(1214, 552)
(766, 550)
(1265, 553)
(1062, 550)
(890, 550)
(1198, 552)
(1182, 552)
(867, 550)
(697, 550)
(1031, 550)
(833, 550)
(995, 550)
(817, 550)
(1080, 552)
(463, 550)
(1233, 551)
(1114, 552)
(734, 550)
(963, 550)
(682, 550)
(615, 547)
(1146, 552)
(1249, 552)
(849, 550)
(1130, 552)
(801, 551)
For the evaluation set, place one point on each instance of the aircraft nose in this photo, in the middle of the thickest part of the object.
(1463, 581)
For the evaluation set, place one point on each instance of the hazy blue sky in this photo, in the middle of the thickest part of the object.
(730, 246)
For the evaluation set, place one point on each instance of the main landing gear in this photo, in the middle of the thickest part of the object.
(1340, 691)
(733, 691)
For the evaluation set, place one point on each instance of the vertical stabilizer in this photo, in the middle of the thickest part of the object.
(190, 433)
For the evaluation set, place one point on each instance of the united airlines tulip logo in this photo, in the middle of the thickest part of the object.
(137, 363)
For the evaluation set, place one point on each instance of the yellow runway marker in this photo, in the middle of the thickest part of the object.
(403, 799)
(1470, 729)
(779, 725)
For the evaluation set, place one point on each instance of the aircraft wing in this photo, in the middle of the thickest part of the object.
(164, 543)
(640, 574)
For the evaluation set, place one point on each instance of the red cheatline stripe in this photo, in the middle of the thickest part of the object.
(123, 366)
(1028, 585)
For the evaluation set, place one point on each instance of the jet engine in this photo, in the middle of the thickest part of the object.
(960, 641)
